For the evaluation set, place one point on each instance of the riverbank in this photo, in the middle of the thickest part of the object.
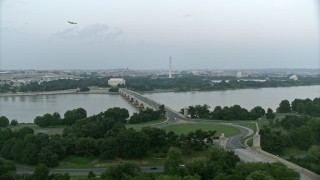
(69, 91)
(214, 90)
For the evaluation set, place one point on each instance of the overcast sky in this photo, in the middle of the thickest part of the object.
(142, 34)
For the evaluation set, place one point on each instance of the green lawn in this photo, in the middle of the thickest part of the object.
(186, 128)
(140, 125)
(37, 129)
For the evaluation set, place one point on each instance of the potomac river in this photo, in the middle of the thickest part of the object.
(26, 108)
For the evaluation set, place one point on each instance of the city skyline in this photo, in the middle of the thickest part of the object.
(228, 34)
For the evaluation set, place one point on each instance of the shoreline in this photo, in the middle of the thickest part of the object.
(105, 91)
(168, 90)
(69, 91)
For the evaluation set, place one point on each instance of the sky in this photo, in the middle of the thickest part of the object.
(143, 34)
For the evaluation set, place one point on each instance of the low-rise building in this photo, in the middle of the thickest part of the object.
(116, 81)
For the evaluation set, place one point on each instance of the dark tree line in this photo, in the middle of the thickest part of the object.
(148, 114)
(189, 82)
(301, 106)
(235, 112)
(219, 164)
(185, 82)
(299, 131)
(103, 135)
(70, 117)
(64, 84)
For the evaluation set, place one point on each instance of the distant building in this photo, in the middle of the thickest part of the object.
(294, 77)
(239, 75)
(116, 81)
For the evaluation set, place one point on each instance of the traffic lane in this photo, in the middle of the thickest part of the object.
(234, 142)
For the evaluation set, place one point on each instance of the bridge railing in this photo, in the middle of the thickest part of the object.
(158, 103)
(291, 165)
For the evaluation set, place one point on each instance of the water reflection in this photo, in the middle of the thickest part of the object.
(26, 108)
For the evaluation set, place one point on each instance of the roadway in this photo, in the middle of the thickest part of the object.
(233, 143)
(174, 117)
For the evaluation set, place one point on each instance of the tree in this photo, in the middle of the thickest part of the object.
(132, 143)
(4, 122)
(303, 137)
(6, 148)
(157, 136)
(268, 171)
(23, 131)
(64, 176)
(284, 107)
(14, 122)
(47, 157)
(91, 175)
(119, 114)
(41, 172)
(259, 175)
(172, 165)
(270, 114)
(5, 134)
(272, 141)
(71, 116)
(162, 110)
(85, 146)
(17, 149)
(121, 171)
(30, 154)
(217, 113)
(257, 112)
(7, 169)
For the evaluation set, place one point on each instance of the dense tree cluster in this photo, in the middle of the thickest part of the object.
(185, 82)
(302, 106)
(219, 164)
(310, 161)
(235, 112)
(64, 84)
(114, 89)
(7, 88)
(189, 82)
(307, 106)
(70, 117)
(300, 131)
(148, 114)
(297, 131)
(4, 122)
(103, 135)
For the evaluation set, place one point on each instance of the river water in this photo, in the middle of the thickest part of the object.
(26, 108)
(247, 98)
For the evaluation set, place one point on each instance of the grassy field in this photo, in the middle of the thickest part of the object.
(37, 129)
(186, 128)
(140, 125)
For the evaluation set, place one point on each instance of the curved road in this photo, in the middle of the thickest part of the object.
(234, 142)
(173, 118)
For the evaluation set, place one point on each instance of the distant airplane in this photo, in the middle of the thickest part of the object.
(72, 22)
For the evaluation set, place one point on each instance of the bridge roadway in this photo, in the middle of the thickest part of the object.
(246, 154)
(174, 117)
(233, 143)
